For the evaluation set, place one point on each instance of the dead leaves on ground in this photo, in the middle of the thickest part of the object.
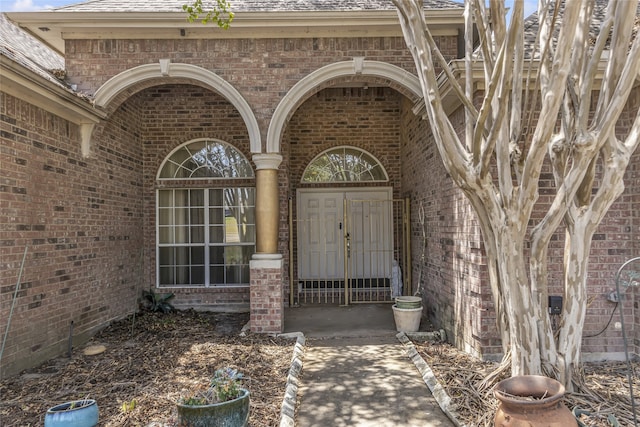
(602, 389)
(149, 362)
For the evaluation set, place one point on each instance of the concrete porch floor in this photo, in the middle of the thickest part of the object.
(333, 321)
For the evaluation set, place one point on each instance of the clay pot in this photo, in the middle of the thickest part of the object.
(531, 401)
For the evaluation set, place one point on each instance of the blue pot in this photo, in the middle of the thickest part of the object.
(78, 413)
(232, 413)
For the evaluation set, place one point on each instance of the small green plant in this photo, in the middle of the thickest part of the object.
(74, 404)
(220, 14)
(224, 386)
(226, 382)
(157, 302)
(128, 406)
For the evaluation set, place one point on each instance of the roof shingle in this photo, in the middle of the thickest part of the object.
(239, 6)
(24, 49)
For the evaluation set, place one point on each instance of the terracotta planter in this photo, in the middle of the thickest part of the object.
(531, 401)
(79, 413)
(232, 413)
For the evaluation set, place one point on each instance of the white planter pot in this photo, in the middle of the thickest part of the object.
(407, 319)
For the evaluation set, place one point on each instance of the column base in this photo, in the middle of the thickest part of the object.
(266, 299)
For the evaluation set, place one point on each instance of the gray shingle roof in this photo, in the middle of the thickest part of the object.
(29, 52)
(249, 5)
(599, 13)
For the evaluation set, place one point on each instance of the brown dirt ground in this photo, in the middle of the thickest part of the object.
(153, 360)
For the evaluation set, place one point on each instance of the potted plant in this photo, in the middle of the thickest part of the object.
(157, 302)
(76, 413)
(224, 403)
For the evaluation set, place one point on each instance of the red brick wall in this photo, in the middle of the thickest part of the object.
(170, 116)
(632, 178)
(457, 295)
(633, 190)
(267, 302)
(263, 70)
(448, 266)
(81, 221)
(617, 240)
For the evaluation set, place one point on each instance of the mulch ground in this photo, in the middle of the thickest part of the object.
(601, 389)
(149, 363)
(151, 360)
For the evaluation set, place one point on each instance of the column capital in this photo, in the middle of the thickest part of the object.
(267, 160)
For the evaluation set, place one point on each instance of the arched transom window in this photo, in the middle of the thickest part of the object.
(205, 159)
(205, 236)
(344, 164)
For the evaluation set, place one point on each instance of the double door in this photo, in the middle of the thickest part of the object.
(345, 243)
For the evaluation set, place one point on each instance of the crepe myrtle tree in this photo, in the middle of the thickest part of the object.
(219, 12)
(498, 167)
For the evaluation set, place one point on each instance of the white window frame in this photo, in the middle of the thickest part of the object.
(345, 148)
(206, 243)
(167, 160)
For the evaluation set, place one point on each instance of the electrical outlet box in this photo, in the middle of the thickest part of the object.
(555, 304)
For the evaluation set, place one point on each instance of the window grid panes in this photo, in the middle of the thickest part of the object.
(344, 164)
(206, 159)
(206, 237)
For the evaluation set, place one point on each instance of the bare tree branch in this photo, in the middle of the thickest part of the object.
(549, 108)
(559, 74)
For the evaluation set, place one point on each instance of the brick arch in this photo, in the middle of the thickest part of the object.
(400, 79)
(120, 83)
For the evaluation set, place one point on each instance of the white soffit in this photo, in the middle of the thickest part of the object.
(55, 27)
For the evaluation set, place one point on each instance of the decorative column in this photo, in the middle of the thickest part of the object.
(267, 296)
(267, 202)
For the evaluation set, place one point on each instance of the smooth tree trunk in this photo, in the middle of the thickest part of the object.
(548, 88)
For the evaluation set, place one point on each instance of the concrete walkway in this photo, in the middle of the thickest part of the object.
(356, 372)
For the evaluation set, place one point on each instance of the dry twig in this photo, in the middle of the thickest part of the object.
(601, 389)
(165, 355)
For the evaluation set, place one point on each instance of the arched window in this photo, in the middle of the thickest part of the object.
(205, 159)
(345, 164)
(205, 236)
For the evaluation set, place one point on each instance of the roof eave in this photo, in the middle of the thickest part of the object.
(451, 101)
(54, 27)
(23, 83)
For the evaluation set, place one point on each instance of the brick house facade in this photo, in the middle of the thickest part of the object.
(81, 158)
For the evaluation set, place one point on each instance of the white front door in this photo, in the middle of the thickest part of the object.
(323, 226)
(370, 236)
(320, 235)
